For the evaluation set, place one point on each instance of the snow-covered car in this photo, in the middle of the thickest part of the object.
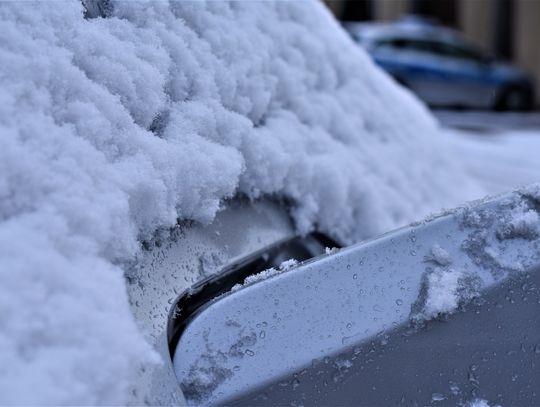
(441, 312)
(158, 155)
(442, 67)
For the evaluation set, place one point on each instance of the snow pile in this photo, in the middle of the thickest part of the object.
(442, 292)
(114, 127)
(445, 289)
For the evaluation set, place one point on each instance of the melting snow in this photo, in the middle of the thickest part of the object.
(442, 295)
(210, 369)
(440, 256)
(263, 275)
(443, 291)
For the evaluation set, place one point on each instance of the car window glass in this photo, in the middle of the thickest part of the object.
(431, 47)
(406, 44)
(459, 52)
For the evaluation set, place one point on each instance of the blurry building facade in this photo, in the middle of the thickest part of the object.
(508, 29)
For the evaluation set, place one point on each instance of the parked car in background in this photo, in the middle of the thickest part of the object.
(442, 67)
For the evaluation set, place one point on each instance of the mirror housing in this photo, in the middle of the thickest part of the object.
(275, 326)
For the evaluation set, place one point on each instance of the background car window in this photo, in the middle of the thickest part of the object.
(406, 44)
(432, 47)
(459, 52)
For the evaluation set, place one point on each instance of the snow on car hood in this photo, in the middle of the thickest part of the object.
(114, 127)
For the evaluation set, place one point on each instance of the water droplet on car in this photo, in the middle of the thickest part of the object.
(454, 388)
(249, 352)
(437, 397)
(399, 302)
(355, 276)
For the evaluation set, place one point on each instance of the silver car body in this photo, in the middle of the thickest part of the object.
(271, 329)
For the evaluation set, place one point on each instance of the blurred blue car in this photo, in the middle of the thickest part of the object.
(442, 67)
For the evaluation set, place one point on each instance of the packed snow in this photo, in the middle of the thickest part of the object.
(440, 256)
(442, 295)
(113, 128)
(444, 288)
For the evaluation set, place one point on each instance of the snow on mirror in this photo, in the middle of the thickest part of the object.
(284, 321)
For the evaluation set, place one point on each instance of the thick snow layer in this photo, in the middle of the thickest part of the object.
(114, 127)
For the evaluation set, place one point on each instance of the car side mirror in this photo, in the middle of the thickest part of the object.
(279, 323)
